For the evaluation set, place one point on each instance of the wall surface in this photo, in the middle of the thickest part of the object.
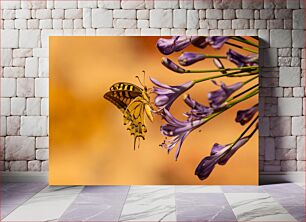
(26, 25)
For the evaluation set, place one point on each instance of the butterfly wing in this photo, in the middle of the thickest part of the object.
(121, 94)
(134, 117)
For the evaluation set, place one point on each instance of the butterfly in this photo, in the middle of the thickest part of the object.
(134, 103)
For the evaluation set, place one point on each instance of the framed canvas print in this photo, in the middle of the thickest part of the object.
(175, 110)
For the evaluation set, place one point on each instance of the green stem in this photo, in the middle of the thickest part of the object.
(243, 133)
(220, 70)
(242, 75)
(215, 56)
(244, 41)
(245, 91)
(241, 47)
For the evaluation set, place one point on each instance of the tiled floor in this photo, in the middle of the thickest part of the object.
(39, 202)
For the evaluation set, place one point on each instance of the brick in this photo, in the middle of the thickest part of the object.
(8, 24)
(149, 32)
(229, 14)
(164, 4)
(208, 24)
(42, 142)
(44, 106)
(301, 148)
(142, 23)
(45, 165)
(214, 14)
(33, 106)
(293, 4)
(23, 13)
(224, 24)
(280, 38)
(65, 4)
(18, 165)
(41, 87)
(289, 76)
(288, 165)
(3, 132)
(301, 166)
(5, 106)
(34, 165)
(9, 38)
(78, 24)
(203, 4)
(43, 13)
(87, 4)
(269, 149)
(110, 31)
(42, 154)
(122, 13)
(19, 148)
(17, 106)
(298, 92)
(43, 67)
(34, 126)
(10, 4)
(86, 18)
(73, 13)
(29, 38)
(271, 168)
(25, 87)
(49, 32)
(8, 87)
(68, 24)
(298, 19)
(133, 32)
(109, 4)
(8, 14)
(33, 4)
(124, 23)
(192, 19)
(186, 4)
(280, 126)
(298, 125)
(13, 72)
(290, 106)
(240, 24)
(285, 142)
(227, 4)
(160, 18)
(31, 67)
(179, 18)
(46, 24)
(270, 57)
(298, 38)
(264, 36)
(143, 14)
(285, 154)
(102, 18)
(13, 125)
(20, 23)
(127, 4)
(245, 14)
(57, 13)
(251, 4)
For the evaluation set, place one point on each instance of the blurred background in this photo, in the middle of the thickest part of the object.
(89, 145)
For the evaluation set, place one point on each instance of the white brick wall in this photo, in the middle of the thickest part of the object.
(26, 26)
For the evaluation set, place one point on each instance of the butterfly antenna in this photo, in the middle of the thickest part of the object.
(139, 80)
(144, 77)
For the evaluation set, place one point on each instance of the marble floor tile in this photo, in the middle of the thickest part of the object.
(106, 189)
(282, 188)
(257, 207)
(149, 203)
(241, 189)
(97, 204)
(298, 212)
(198, 189)
(47, 205)
(22, 187)
(290, 199)
(203, 207)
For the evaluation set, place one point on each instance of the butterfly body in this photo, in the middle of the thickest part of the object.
(134, 103)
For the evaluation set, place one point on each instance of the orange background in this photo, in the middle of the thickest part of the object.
(89, 144)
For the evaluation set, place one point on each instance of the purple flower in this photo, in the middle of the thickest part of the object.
(166, 95)
(244, 116)
(219, 155)
(174, 44)
(172, 66)
(198, 111)
(241, 60)
(188, 58)
(219, 64)
(199, 41)
(178, 130)
(218, 97)
(217, 41)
